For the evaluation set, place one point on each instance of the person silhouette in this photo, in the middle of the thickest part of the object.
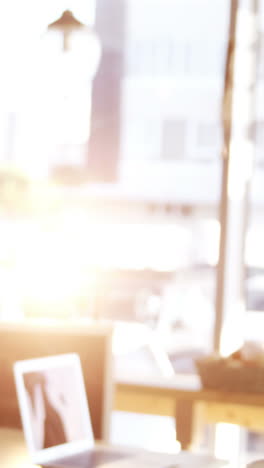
(45, 417)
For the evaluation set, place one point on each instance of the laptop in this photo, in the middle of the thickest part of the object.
(55, 414)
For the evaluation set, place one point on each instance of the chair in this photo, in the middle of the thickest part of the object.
(92, 342)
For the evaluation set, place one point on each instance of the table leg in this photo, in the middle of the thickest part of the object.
(188, 422)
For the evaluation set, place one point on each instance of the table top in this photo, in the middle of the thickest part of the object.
(185, 387)
(13, 454)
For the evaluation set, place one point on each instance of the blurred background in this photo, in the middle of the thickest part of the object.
(111, 172)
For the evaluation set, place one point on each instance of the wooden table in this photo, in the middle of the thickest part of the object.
(183, 398)
(13, 451)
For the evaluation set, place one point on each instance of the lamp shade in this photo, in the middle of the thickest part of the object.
(66, 22)
(79, 43)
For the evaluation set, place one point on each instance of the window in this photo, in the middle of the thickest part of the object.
(207, 141)
(259, 139)
(145, 100)
(173, 140)
(260, 66)
(208, 135)
(206, 59)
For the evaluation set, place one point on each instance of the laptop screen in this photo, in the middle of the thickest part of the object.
(53, 403)
(54, 407)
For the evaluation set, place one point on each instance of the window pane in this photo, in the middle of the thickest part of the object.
(254, 259)
(163, 255)
(152, 232)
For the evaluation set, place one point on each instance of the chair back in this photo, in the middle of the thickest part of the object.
(92, 342)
